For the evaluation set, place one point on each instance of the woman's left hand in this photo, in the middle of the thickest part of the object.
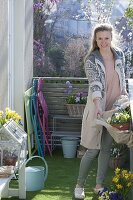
(98, 110)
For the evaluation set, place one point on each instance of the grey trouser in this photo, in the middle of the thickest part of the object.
(103, 160)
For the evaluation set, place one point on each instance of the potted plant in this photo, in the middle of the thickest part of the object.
(118, 155)
(122, 183)
(78, 98)
(8, 157)
(121, 119)
(75, 101)
(8, 114)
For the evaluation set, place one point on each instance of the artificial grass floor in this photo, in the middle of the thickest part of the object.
(62, 177)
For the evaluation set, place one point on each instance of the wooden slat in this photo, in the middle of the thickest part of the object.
(63, 85)
(60, 79)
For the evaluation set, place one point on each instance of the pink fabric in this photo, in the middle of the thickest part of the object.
(112, 87)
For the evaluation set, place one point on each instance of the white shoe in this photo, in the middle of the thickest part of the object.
(79, 193)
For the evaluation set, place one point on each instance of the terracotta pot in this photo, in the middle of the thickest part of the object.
(122, 127)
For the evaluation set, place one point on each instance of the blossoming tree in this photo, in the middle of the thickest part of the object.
(42, 35)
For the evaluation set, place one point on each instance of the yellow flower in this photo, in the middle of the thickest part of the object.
(129, 184)
(9, 114)
(6, 110)
(1, 113)
(100, 198)
(124, 172)
(117, 170)
(119, 186)
(105, 195)
(122, 182)
(127, 176)
(115, 179)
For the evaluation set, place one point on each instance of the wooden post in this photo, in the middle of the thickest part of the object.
(130, 90)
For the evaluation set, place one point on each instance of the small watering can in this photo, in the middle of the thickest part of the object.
(36, 175)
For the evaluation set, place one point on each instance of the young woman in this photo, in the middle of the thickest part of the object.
(104, 67)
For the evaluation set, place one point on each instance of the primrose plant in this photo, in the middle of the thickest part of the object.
(75, 98)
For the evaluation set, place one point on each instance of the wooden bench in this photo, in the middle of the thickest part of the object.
(60, 124)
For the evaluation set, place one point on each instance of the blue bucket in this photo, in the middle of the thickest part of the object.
(69, 146)
(36, 175)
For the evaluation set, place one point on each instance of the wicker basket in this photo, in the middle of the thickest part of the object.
(75, 110)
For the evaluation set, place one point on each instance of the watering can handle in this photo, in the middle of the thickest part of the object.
(44, 161)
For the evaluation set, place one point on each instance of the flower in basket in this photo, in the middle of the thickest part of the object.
(122, 183)
(8, 114)
(75, 98)
(75, 101)
(120, 118)
(78, 98)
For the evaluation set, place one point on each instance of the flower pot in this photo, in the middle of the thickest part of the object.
(122, 127)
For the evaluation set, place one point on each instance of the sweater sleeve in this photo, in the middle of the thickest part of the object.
(93, 74)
